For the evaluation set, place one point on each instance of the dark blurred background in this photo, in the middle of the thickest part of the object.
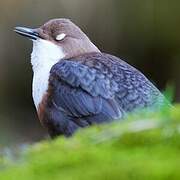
(144, 33)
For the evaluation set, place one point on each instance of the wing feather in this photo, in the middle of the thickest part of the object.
(81, 91)
(98, 83)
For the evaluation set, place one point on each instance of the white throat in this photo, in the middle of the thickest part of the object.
(44, 55)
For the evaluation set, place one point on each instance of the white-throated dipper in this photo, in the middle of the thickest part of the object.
(76, 85)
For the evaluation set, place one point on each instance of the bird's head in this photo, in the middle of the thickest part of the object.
(59, 34)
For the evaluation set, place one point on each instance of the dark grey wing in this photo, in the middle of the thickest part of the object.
(83, 92)
(133, 89)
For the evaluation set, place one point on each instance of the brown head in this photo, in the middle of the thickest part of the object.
(62, 33)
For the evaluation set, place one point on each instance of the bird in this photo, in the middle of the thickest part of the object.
(75, 85)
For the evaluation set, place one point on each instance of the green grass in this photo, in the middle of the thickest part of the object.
(144, 146)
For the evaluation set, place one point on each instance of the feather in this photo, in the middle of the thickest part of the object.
(96, 88)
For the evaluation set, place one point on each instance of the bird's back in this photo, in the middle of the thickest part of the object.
(129, 86)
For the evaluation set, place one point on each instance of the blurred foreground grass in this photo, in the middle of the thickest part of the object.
(145, 146)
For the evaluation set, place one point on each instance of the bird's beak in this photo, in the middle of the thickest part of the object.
(27, 32)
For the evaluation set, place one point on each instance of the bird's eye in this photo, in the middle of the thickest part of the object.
(60, 37)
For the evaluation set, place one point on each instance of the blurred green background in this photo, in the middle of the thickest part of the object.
(142, 32)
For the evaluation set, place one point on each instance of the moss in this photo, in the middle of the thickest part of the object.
(144, 146)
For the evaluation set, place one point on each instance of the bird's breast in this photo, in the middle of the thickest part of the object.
(44, 55)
